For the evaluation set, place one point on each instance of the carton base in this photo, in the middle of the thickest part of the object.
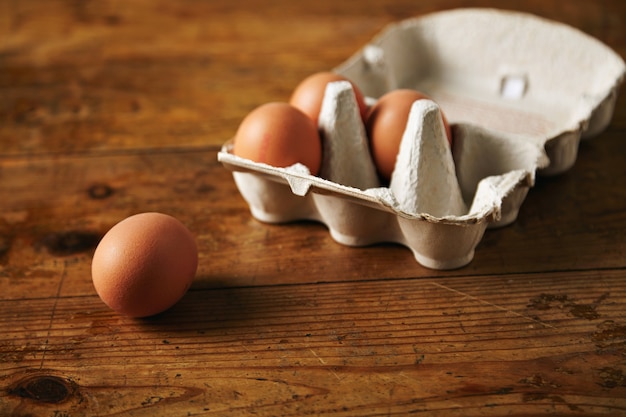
(447, 265)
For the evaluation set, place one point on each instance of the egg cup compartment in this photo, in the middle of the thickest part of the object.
(440, 202)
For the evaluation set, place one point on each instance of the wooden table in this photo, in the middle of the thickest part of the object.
(112, 108)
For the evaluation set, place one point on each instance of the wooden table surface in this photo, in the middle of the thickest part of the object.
(111, 108)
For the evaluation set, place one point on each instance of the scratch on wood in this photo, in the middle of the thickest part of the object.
(318, 358)
(492, 305)
(52, 313)
(323, 362)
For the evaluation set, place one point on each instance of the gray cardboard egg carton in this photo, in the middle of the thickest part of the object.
(520, 93)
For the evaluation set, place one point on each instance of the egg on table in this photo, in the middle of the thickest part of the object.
(144, 264)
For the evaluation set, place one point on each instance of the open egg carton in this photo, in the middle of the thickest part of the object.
(519, 91)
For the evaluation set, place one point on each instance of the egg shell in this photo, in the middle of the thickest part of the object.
(309, 94)
(144, 264)
(280, 135)
(512, 111)
(386, 122)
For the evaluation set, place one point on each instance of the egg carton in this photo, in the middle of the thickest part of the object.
(519, 92)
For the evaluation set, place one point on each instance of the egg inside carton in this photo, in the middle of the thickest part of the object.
(431, 207)
(439, 202)
(424, 178)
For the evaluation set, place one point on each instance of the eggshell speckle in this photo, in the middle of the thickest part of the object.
(144, 264)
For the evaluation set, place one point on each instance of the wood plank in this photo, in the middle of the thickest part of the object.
(547, 343)
(77, 77)
(59, 207)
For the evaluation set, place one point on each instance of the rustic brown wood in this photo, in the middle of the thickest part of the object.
(109, 109)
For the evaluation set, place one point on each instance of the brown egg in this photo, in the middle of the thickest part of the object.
(280, 135)
(144, 264)
(309, 94)
(385, 125)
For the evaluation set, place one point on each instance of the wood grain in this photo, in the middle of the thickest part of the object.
(493, 346)
(83, 76)
(109, 109)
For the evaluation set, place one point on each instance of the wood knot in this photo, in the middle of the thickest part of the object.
(5, 245)
(70, 242)
(99, 191)
(43, 388)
